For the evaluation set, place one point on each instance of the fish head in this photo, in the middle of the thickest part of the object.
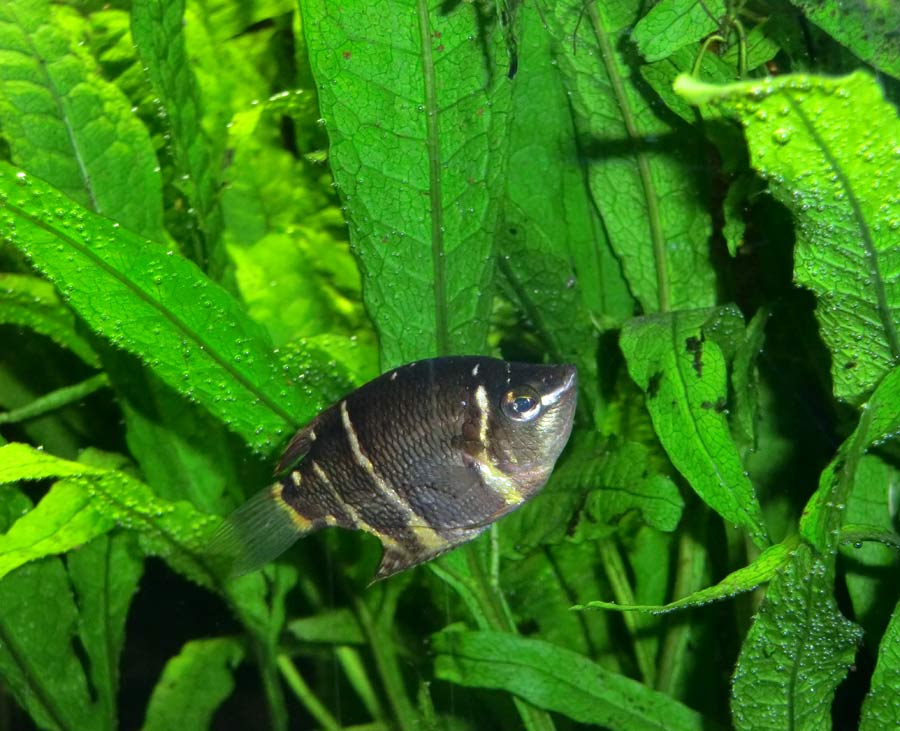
(531, 413)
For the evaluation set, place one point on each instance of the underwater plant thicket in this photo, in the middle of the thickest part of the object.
(219, 216)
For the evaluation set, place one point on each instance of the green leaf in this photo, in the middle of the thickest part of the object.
(839, 180)
(337, 626)
(881, 709)
(672, 24)
(648, 197)
(37, 660)
(67, 125)
(766, 566)
(105, 575)
(158, 30)
(866, 27)
(796, 654)
(879, 421)
(416, 135)
(33, 303)
(559, 680)
(91, 501)
(554, 254)
(682, 372)
(193, 685)
(158, 306)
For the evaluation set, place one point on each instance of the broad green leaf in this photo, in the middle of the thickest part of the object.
(105, 575)
(881, 709)
(67, 125)
(89, 502)
(33, 303)
(193, 685)
(554, 254)
(839, 178)
(796, 654)
(38, 620)
(155, 304)
(646, 187)
(866, 27)
(416, 132)
(624, 480)
(766, 566)
(559, 680)
(879, 421)
(158, 30)
(683, 373)
(672, 24)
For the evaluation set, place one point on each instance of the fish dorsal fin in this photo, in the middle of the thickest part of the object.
(296, 448)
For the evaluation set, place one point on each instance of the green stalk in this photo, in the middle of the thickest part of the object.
(305, 695)
(385, 657)
(55, 400)
(617, 574)
(688, 579)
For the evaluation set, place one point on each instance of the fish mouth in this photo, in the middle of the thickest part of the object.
(568, 383)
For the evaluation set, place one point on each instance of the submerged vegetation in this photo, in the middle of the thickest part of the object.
(218, 217)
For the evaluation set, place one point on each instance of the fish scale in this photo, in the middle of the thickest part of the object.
(424, 457)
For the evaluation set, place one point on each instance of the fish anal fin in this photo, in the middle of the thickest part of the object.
(296, 449)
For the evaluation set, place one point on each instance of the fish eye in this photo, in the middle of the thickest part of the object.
(521, 404)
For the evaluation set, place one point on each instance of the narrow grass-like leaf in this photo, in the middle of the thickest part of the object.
(158, 306)
(105, 574)
(797, 652)
(416, 129)
(158, 30)
(337, 626)
(37, 626)
(672, 24)
(839, 179)
(193, 685)
(69, 126)
(766, 566)
(33, 303)
(870, 566)
(642, 168)
(89, 502)
(879, 421)
(683, 373)
(866, 27)
(559, 680)
(881, 709)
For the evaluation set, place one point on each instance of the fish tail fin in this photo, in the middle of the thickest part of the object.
(257, 532)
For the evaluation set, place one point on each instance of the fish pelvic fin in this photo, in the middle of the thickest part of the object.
(257, 532)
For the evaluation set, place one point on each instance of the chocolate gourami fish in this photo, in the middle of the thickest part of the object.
(425, 457)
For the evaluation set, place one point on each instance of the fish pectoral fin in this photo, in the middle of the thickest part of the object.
(296, 449)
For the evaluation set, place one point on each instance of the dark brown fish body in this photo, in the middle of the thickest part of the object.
(425, 457)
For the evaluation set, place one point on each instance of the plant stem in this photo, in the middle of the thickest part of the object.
(305, 695)
(688, 579)
(388, 668)
(55, 400)
(351, 662)
(617, 574)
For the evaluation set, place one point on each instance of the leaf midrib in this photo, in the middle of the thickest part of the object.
(180, 326)
(435, 195)
(657, 236)
(63, 116)
(868, 243)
